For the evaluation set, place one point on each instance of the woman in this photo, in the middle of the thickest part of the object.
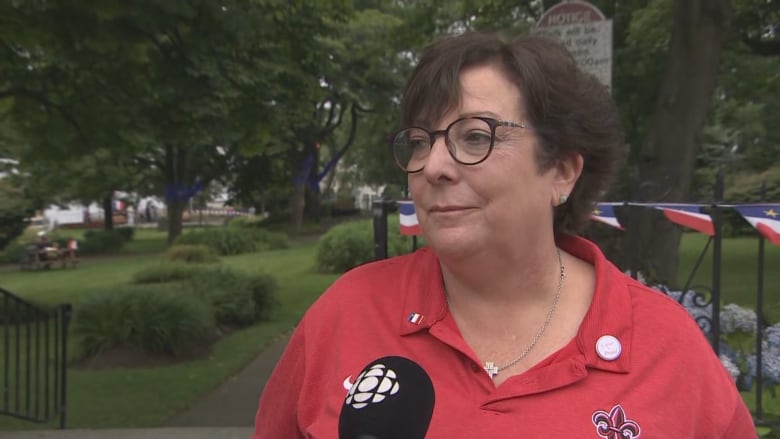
(524, 329)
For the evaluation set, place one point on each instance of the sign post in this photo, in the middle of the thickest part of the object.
(585, 32)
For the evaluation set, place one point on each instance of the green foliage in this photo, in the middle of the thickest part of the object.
(237, 299)
(348, 245)
(102, 241)
(190, 254)
(345, 246)
(14, 211)
(14, 252)
(223, 241)
(128, 233)
(235, 240)
(162, 273)
(747, 186)
(246, 221)
(268, 240)
(154, 320)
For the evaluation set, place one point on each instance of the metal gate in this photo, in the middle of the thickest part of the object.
(33, 365)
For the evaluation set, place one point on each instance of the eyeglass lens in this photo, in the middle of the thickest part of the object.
(468, 141)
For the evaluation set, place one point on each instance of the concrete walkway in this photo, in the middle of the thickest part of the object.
(228, 412)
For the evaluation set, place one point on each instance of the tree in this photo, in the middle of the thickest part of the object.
(15, 211)
(169, 85)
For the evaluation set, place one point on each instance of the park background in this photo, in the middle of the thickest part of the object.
(283, 109)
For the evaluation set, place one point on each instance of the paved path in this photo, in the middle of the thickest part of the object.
(228, 412)
(233, 403)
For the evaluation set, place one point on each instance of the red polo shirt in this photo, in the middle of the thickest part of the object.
(655, 377)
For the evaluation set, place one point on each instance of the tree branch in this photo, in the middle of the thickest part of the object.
(17, 92)
(763, 48)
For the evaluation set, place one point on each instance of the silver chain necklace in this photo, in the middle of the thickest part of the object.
(491, 368)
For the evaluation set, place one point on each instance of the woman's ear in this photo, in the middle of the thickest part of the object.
(567, 171)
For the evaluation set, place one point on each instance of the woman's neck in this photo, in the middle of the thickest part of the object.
(503, 276)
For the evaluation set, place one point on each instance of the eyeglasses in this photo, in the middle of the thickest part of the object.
(469, 140)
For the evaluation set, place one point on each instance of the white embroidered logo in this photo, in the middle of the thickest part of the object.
(372, 386)
(347, 385)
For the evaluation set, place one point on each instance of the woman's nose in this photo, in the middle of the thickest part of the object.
(440, 162)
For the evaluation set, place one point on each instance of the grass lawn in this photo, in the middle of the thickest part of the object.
(147, 397)
(739, 276)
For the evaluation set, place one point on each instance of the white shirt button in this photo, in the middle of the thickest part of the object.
(608, 347)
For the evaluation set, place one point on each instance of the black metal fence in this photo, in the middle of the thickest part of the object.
(33, 365)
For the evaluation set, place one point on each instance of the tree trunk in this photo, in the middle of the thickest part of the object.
(668, 156)
(176, 166)
(311, 208)
(175, 209)
(297, 204)
(302, 201)
(108, 211)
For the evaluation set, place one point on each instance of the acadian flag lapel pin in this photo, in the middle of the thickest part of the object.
(415, 318)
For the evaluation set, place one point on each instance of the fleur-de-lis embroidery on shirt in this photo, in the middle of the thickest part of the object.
(615, 425)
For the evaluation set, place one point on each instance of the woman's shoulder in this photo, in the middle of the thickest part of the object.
(659, 315)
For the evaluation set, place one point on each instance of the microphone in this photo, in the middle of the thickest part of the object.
(392, 398)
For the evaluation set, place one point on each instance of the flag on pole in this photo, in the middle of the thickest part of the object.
(765, 218)
(605, 213)
(409, 224)
(688, 215)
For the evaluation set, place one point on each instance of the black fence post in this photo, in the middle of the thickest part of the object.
(65, 313)
(634, 241)
(717, 220)
(379, 212)
(760, 320)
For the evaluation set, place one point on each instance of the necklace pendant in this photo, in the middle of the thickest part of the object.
(491, 369)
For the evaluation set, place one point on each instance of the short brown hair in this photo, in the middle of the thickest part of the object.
(569, 110)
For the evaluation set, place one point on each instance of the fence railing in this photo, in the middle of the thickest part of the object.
(33, 365)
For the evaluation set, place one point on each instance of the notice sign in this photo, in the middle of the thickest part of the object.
(584, 30)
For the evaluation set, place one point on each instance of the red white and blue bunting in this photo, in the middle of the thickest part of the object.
(765, 218)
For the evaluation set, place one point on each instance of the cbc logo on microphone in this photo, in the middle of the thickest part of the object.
(373, 386)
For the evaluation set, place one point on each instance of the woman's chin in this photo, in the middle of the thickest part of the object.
(452, 243)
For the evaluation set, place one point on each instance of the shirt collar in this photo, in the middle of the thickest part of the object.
(610, 312)
(425, 300)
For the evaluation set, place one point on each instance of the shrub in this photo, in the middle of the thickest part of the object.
(223, 241)
(236, 299)
(161, 273)
(246, 221)
(348, 245)
(14, 252)
(345, 246)
(267, 240)
(125, 232)
(151, 319)
(101, 241)
(190, 253)
(235, 240)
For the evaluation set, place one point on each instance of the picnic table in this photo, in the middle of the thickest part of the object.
(36, 257)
